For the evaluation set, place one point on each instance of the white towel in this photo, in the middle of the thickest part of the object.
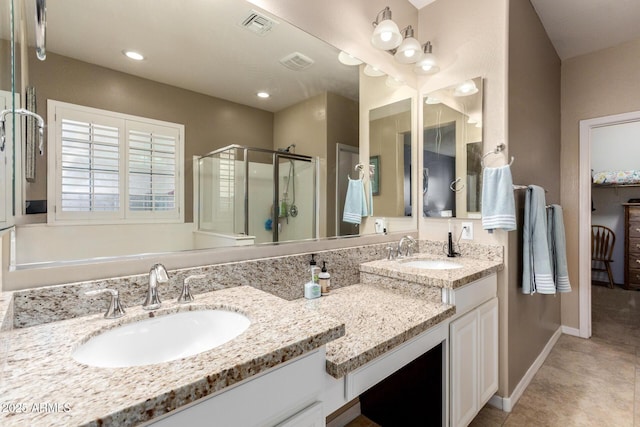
(558, 248)
(537, 275)
(498, 202)
(355, 206)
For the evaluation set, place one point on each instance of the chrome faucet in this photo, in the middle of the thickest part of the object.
(115, 309)
(411, 242)
(186, 297)
(157, 274)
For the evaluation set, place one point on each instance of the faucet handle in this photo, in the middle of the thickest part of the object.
(391, 252)
(115, 309)
(185, 296)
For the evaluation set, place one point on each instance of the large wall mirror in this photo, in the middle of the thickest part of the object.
(203, 67)
(452, 151)
(390, 156)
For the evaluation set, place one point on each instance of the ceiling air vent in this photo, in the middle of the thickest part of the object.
(297, 61)
(258, 24)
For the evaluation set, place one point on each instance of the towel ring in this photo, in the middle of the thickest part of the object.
(499, 148)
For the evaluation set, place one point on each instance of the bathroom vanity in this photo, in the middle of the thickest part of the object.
(317, 354)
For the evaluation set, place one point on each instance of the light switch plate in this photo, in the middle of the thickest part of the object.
(467, 231)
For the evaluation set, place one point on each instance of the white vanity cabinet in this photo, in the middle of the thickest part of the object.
(285, 396)
(473, 337)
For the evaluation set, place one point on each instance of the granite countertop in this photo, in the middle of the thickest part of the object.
(38, 368)
(376, 320)
(472, 269)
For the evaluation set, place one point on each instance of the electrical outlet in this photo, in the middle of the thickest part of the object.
(467, 231)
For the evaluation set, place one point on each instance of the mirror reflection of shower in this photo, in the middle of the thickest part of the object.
(249, 195)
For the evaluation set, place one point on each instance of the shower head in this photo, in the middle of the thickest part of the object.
(288, 149)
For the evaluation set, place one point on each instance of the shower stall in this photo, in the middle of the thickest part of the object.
(250, 195)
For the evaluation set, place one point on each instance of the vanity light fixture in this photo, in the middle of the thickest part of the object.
(427, 63)
(386, 35)
(263, 95)
(402, 44)
(133, 55)
(372, 71)
(410, 49)
(466, 88)
(348, 59)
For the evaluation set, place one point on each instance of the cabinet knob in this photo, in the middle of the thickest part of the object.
(637, 276)
(638, 245)
(637, 229)
(638, 261)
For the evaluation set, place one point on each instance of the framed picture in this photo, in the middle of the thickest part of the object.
(374, 162)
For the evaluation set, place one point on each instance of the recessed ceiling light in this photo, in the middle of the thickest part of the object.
(262, 95)
(133, 55)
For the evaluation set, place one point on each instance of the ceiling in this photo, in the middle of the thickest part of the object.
(577, 27)
(197, 45)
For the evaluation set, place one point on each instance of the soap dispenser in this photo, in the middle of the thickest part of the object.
(325, 280)
(315, 270)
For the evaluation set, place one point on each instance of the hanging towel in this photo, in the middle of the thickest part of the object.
(536, 261)
(498, 202)
(558, 248)
(355, 206)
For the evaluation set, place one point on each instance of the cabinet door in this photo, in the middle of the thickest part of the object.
(464, 369)
(488, 350)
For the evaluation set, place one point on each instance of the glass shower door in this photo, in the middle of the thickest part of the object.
(296, 199)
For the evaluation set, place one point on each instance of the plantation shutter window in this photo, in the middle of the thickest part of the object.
(90, 167)
(111, 167)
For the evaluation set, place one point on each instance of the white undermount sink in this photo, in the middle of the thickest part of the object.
(432, 264)
(161, 339)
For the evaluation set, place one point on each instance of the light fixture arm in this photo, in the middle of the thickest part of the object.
(384, 14)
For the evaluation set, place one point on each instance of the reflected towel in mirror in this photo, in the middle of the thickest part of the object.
(355, 205)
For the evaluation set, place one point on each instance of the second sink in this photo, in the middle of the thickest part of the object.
(431, 264)
(161, 339)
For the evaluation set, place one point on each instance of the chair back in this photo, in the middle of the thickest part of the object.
(602, 241)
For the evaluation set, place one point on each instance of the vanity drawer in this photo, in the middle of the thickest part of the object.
(634, 246)
(634, 277)
(634, 229)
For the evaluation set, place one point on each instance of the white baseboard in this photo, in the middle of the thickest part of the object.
(571, 331)
(507, 403)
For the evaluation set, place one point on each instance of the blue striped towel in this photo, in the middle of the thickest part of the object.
(537, 274)
(498, 202)
(355, 205)
(558, 248)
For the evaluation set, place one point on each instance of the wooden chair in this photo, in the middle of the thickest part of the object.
(602, 241)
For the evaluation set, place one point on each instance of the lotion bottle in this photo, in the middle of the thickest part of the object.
(325, 280)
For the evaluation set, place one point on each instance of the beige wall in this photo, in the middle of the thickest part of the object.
(5, 65)
(598, 84)
(534, 141)
(210, 122)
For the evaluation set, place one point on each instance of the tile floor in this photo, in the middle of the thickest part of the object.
(593, 382)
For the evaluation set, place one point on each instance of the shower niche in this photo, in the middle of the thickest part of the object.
(245, 196)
